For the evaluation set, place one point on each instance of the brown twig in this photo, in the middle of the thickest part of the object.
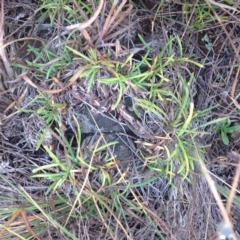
(159, 222)
(235, 82)
(89, 21)
(234, 186)
(209, 2)
(71, 81)
(9, 222)
(216, 195)
(25, 220)
(6, 63)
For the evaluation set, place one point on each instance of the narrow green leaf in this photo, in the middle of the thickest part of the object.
(144, 42)
(55, 159)
(49, 166)
(91, 80)
(226, 194)
(50, 176)
(224, 138)
(86, 164)
(104, 147)
(80, 54)
(41, 139)
(120, 94)
(36, 52)
(233, 129)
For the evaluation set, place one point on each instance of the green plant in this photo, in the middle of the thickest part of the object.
(147, 75)
(208, 44)
(226, 194)
(76, 186)
(48, 111)
(64, 7)
(30, 205)
(98, 203)
(200, 16)
(47, 63)
(224, 128)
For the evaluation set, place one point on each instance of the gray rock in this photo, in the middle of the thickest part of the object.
(104, 121)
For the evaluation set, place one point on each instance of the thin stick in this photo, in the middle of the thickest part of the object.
(89, 21)
(234, 186)
(7, 66)
(235, 82)
(211, 184)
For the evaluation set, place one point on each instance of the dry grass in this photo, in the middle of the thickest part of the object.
(138, 64)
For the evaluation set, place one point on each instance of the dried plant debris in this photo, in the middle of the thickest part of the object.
(105, 109)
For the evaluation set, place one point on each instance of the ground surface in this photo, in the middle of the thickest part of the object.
(104, 125)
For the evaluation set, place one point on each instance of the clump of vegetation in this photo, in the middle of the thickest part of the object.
(225, 128)
(135, 64)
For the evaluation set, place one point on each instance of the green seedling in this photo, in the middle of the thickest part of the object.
(207, 42)
(225, 128)
(201, 16)
(48, 111)
(49, 62)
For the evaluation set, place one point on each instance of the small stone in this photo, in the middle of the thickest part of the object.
(104, 122)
